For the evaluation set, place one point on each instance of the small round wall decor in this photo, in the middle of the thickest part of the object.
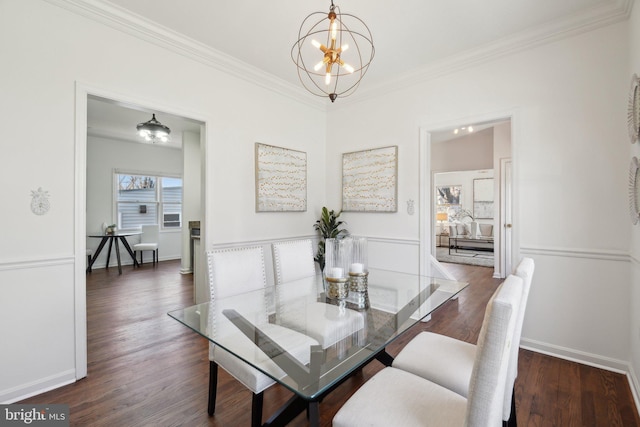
(633, 112)
(40, 201)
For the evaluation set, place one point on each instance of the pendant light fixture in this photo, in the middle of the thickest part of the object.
(153, 131)
(333, 53)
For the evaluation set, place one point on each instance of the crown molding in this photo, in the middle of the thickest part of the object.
(123, 20)
(594, 18)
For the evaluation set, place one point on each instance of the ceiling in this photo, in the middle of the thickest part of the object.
(113, 120)
(409, 35)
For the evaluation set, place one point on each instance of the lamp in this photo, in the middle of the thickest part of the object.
(323, 67)
(153, 131)
(440, 218)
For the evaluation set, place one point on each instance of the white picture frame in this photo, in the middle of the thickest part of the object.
(483, 198)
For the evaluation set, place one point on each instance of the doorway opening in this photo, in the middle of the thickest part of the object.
(107, 147)
(466, 182)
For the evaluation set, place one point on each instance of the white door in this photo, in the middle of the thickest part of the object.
(507, 199)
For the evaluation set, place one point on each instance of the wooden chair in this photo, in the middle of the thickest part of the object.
(234, 272)
(449, 362)
(400, 398)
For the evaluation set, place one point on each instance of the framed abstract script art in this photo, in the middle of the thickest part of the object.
(281, 179)
(483, 198)
(369, 180)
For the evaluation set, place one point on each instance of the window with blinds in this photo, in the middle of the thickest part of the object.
(145, 200)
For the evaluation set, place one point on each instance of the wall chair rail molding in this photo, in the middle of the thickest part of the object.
(603, 255)
(240, 244)
(28, 263)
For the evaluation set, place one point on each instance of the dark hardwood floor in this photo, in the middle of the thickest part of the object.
(146, 369)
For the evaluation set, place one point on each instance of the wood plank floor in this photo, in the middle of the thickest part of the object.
(145, 369)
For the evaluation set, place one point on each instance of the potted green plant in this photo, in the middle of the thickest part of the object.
(329, 228)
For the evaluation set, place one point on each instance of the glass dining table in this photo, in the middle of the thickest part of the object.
(392, 303)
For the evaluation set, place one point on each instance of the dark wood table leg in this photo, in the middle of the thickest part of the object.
(383, 357)
(314, 414)
(118, 256)
(98, 250)
(109, 251)
(287, 412)
(123, 239)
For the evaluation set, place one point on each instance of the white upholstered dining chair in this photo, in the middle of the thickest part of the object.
(235, 272)
(148, 241)
(400, 398)
(449, 362)
(293, 262)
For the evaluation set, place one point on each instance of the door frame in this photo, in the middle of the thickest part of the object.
(82, 92)
(426, 196)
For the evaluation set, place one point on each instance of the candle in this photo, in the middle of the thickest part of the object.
(356, 267)
(335, 273)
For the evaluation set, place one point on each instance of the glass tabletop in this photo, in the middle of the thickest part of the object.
(257, 326)
(116, 234)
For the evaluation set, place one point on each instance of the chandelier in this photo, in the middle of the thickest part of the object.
(333, 53)
(153, 131)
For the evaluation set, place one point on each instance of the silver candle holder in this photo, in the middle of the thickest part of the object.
(337, 287)
(359, 282)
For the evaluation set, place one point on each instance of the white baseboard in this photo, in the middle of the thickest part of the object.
(128, 261)
(589, 359)
(40, 386)
(634, 386)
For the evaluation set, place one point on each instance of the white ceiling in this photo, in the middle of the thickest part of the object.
(112, 120)
(409, 35)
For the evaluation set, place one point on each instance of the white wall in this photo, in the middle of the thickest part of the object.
(104, 156)
(52, 51)
(634, 150)
(570, 158)
(191, 206)
(468, 152)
